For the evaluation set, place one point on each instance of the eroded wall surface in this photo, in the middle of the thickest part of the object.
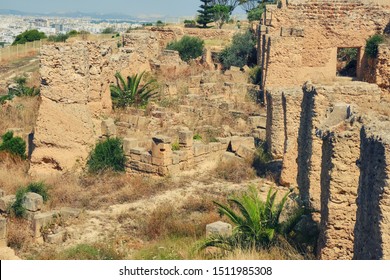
(372, 230)
(300, 40)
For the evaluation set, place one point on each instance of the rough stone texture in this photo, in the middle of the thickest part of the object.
(3, 229)
(219, 228)
(6, 202)
(383, 68)
(108, 127)
(275, 133)
(32, 202)
(2, 192)
(315, 108)
(41, 220)
(372, 230)
(321, 27)
(339, 182)
(291, 102)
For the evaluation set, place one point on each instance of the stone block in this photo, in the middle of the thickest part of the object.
(32, 202)
(6, 202)
(164, 161)
(236, 142)
(257, 121)
(108, 127)
(56, 238)
(2, 193)
(175, 157)
(136, 153)
(143, 167)
(146, 157)
(228, 156)
(245, 152)
(68, 212)
(128, 144)
(161, 150)
(41, 220)
(3, 228)
(186, 138)
(219, 228)
(199, 149)
(174, 169)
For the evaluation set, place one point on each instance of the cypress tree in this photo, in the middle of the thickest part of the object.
(205, 13)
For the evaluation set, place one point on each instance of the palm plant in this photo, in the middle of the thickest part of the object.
(131, 92)
(256, 222)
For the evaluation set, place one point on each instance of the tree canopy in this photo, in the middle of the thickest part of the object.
(205, 13)
(29, 36)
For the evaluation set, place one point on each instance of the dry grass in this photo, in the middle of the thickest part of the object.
(19, 235)
(103, 190)
(21, 113)
(235, 170)
(13, 172)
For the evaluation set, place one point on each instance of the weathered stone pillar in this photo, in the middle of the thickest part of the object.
(372, 230)
(275, 133)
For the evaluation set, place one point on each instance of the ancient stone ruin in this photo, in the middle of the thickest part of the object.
(329, 133)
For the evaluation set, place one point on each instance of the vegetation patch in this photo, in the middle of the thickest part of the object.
(188, 47)
(107, 154)
(372, 45)
(13, 145)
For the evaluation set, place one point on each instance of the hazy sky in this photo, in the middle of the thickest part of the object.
(173, 8)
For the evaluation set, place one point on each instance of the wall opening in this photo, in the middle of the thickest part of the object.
(347, 62)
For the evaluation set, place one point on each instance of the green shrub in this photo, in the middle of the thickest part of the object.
(189, 23)
(256, 222)
(255, 75)
(188, 47)
(107, 155)
(39, 188)
(241, 52)
(372, 45)
(13, 145)
(255, 14)
(108, 30)
(129, 92)
(29, 36)
(58, 38)
(17, 207)
(175, 146)
(197, 136)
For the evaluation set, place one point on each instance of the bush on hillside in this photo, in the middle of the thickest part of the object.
(38, 187)
(107, 154)
(13, 145)
(372, 45)
(188, 47)
(29, 36)
(241, 52)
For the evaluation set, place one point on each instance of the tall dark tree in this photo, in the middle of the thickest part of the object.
(205, 13)
(232, 4)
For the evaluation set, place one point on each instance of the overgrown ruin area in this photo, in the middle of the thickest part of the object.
(318, 137)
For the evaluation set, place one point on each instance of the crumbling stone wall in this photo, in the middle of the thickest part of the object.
(300, 40)
(75, 92)
(383, 68)
(372, 230)
(339, 181)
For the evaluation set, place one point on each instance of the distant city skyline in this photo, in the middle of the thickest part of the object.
(137, 8)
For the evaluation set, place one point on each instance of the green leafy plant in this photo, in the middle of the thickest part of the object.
(372, 45)
(39, 188)
(175, 146)
(256, 222)
(13, 145)
(107, 154)
(255, 14)
(108, 30)
(198, 137)
(29, 36)
(36, 187)
(188, 47)
(130, 92)
(189, 23)
(205, 13)
(241, 52)
(20, 90)
(58, 38)
(221, 14)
